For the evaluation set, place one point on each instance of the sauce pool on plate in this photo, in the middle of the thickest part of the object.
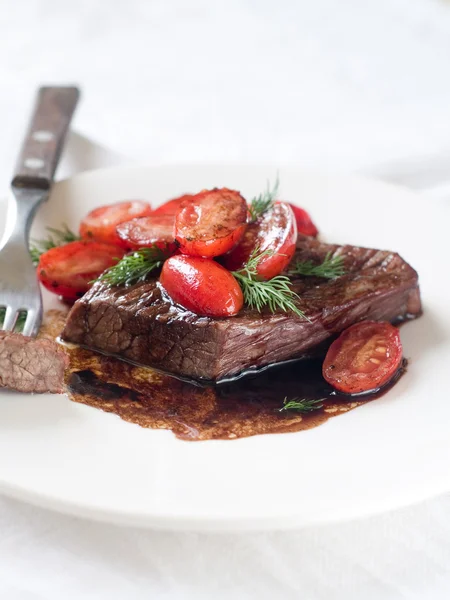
(245, 407)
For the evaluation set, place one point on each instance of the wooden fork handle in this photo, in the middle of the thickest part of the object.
(45, 137)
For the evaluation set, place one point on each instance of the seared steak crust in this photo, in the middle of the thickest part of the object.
(141, 324)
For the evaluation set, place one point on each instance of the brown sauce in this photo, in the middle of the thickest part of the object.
(246, 407)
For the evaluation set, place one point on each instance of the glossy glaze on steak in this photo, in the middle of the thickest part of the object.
(142, 325)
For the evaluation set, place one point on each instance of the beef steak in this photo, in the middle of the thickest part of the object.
(141, 324)
(31, 365)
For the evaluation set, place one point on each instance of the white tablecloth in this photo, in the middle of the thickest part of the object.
(347, 85)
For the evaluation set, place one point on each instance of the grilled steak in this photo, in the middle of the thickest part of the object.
(31, 365)
(141, 324)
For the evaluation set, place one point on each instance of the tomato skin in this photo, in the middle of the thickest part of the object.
(211, 223)
(100, 224)
(69, 270)
(155, 230)
(304, 221)
(364, 357)
(171, 207)
(202, 286)
(276, 232)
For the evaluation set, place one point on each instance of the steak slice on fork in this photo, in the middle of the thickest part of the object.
(31, 364)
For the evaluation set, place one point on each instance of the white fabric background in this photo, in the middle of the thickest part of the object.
(335, 83)
(349, 85)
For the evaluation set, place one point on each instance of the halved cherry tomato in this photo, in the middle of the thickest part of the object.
(171, 207)
(202, 286)
(211, 223)
(304, 221)
(275, 232)
(155, 230)
(364, 357)
(100, 224)
(69, 270)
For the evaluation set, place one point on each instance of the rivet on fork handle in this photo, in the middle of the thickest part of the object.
(44, 139)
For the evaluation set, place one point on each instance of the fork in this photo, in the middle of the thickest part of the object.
(32, 180)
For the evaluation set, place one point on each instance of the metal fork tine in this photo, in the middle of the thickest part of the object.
(31, 327)
(10, 319)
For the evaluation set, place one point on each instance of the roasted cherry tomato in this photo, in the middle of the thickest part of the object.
(211, 223)
(155, 230)
(304, 222)
(202, 286)
(171, 207)
(275, 232)
(100, 224)
(69, 270)
(364, 357)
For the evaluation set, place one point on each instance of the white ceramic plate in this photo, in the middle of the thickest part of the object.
(386, 454)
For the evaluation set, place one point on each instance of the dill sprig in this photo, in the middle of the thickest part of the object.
(56, 237)
(274, 293)
(134, 267)
(302, 405)
(262, 203)
(330, 268)
(20, 319)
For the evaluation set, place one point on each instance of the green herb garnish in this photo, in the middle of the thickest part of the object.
(262, 203)
(57, 237)
(20, 319)
(134, 267)
(330, 268)
(276, 293)
(302, 405)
